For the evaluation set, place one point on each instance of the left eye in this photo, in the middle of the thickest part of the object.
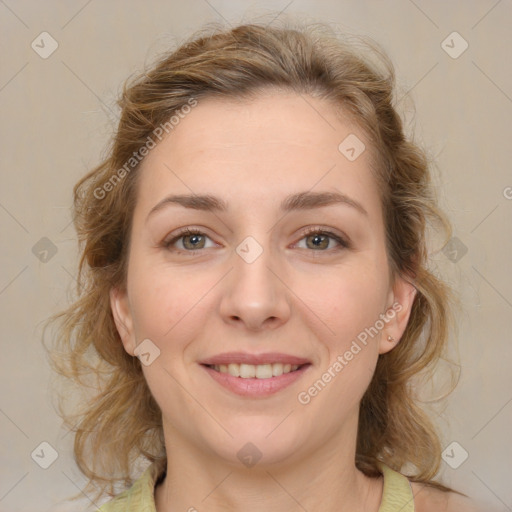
(322, 240)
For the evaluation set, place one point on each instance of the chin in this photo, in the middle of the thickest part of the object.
(261, 441)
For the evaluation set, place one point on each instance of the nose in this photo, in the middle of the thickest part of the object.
(255, 295)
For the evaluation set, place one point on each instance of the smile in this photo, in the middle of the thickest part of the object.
(255, 371)
(255, 380)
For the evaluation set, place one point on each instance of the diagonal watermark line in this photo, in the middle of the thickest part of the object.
(424, 14)
(66, 226)
(492, 211)
(292, 497)
(279, 13)
(12, 280)
(501, 408)
(70, 222)
(198, 402)
(492, 81)
(89, 89)
(13, 218)
(14, 485)
(279, 424)
(485, 15)
(193, 306)
(418, 82)
(217, 486)
(75, 15)
(213, 8)
(14, 423)
(69, 273)
(225, 19)
(496, 496)
(302, 96)
(332, 332)
(13, 77)
(407, 504)
(492, 286)
(14, 14)
(92, 502)
(68, 432)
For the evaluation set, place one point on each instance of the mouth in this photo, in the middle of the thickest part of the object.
(255, 376)
(256, 371)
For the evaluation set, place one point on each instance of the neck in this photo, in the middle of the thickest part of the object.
(325, 479)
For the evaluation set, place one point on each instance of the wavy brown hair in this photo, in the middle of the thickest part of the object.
(119, 422)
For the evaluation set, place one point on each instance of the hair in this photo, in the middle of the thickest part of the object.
(120, 422)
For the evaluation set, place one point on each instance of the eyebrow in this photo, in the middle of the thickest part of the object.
(299, 201)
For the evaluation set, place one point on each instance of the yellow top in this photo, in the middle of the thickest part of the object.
(396, 495)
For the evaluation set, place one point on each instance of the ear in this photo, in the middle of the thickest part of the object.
(123, 318)
(400, 301)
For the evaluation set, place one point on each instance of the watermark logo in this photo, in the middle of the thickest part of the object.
(455, 249)
(44, 45)
(454, 455)
(454, 45)
(351, 147)
(249, 249)
(44, 455)
(147, 352)
(249, 455)
(44, 250)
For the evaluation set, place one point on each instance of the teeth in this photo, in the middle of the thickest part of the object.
(247, 371)
(277, 369)
(264, 371)
(258, 371)
(234, 370)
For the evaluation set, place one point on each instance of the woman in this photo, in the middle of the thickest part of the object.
(255, 298)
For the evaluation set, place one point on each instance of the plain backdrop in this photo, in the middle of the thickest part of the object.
(56, 116)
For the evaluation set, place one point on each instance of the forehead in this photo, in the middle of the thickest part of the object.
(277, 118)
(274, 143)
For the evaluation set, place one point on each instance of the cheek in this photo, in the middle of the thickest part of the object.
(348, 300)
(167, 305)
(349, 305)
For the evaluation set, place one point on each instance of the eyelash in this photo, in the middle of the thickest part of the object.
(319, 231)
(343, 243)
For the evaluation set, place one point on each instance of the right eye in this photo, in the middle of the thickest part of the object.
(191, 240)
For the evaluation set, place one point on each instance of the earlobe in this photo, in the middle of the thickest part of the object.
(397, 314)
(122, 318)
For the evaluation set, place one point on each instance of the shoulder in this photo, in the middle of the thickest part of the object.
(430, 499)
(140, 496)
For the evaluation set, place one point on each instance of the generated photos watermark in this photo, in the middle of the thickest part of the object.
(305, 397)
(158, 133)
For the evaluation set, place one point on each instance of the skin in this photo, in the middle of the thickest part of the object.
(294, 298)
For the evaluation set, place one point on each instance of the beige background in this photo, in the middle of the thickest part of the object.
(57, 113)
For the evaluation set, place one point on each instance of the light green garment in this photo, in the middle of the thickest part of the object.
(396, 497)
(397, 494)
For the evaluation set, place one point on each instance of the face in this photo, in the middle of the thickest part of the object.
(258, 294)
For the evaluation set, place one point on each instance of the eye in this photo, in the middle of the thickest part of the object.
(189, 239)
(323, 240)
(193, 240)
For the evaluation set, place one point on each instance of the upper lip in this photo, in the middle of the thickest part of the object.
(255, 359)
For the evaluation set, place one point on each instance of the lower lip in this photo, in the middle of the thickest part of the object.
(256, 387)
